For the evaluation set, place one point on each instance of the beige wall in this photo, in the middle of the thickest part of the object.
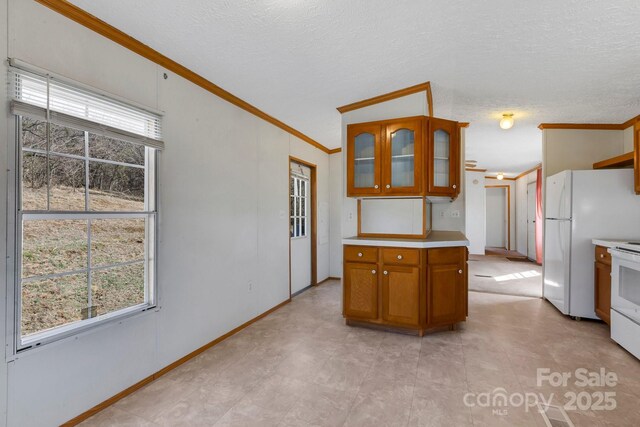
(579, 149)
(627, 136)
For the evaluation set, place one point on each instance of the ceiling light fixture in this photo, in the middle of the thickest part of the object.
(500, 176)
(507, 121)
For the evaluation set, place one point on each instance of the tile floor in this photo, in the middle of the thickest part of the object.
(301, 366)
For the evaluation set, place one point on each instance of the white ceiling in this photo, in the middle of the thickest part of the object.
(297, 60)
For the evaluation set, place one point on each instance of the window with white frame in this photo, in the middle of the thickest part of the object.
(298, 204)
(86, 208)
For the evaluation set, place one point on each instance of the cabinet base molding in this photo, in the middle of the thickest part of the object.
(400, 329)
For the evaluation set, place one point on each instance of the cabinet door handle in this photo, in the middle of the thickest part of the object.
(373, 272)
(386, 272)
(601, 255)
(388, 186)
(454, 186)
(459, 271)
(360, 254)
(375, 186)
(399, 256)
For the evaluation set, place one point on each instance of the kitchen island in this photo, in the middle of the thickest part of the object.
(406, 285)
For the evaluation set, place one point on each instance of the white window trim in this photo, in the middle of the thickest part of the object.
(14, 259)
(293, 215)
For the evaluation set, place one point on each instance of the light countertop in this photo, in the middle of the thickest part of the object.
(612, 243)
(435, 239)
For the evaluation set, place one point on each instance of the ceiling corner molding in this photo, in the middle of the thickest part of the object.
(422, 87)
(335, 150)
(527, 172)
(97, 25)
(474, 170)
(591, 126)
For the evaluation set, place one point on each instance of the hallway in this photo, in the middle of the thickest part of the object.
(501, 275)
(301, 366)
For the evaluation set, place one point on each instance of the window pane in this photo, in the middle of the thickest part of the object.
(101, 147)
(303, 227)
(67, 184)
(34, 181)
(53, 246)
(116, 240)
(291, 227)
(117, 288)
(34, 134)
(303, 206)
(66, 140)
(53, 302)
(115, 188)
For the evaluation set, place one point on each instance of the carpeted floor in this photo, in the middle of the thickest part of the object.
(498, 274)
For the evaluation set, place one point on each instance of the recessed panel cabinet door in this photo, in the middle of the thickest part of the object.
(444, 164)
(361, 290)
(401, 295)
(446, 294)
(364, 163)
(602, 287)
(402, 168)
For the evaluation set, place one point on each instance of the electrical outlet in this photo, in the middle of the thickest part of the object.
(442, 214)
(455, 214)
(350, 216)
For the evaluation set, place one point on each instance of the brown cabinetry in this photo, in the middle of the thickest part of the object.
(447, 289)
(636, 156)
(360, 290)
(406, 288)
(413, 156)
(602, 284)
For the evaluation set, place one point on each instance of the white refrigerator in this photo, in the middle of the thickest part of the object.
(581, 206)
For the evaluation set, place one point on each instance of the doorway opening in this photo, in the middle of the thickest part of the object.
(302, 226)
(498, 208)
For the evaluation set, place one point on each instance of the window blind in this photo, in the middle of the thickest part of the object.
(46, 97)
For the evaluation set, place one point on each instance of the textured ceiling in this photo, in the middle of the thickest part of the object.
(545, 61)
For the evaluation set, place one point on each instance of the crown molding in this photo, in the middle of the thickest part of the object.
(422, 87)
(591, 126)
(97, 25)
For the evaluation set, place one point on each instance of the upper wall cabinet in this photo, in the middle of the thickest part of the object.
(403, 157)
(364, 153)
(444, 158)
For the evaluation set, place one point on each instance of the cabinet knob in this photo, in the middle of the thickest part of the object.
(454, 186)
(388, 185)
(386, 272)
(375, 186)
(373, 272)
(459, 271)
(601, 255)
(360, 254)
(399, 256)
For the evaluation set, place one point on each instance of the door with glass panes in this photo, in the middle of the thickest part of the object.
(364, 163)
(443, 158)
(403, 157)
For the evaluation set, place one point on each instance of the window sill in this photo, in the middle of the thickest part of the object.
(76, 330)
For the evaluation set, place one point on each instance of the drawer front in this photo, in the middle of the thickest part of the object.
(441, 256)
(360, 253)
(602, 255)
(401, 256)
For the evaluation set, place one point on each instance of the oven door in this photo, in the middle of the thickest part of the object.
(625, 283)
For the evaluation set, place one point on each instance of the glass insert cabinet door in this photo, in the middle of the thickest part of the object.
(442, 157)
(404, 154)
(363, 157)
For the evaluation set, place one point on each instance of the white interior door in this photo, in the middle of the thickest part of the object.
(496, 217)
(531, 221)
(300, 227)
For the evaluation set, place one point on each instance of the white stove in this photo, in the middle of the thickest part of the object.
(625, 296)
